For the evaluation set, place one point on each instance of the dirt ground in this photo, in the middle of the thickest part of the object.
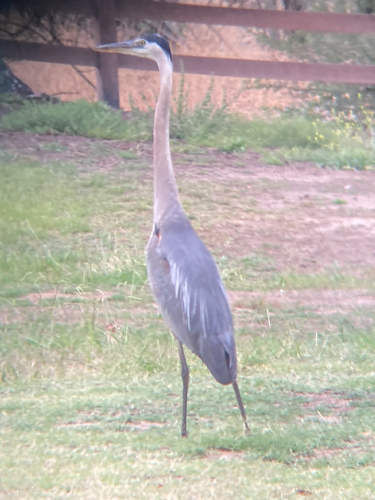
(305, 218)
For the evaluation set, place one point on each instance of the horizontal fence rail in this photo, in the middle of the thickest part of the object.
(359, 74)
(105, 13)
(226, 16)
(256, 18)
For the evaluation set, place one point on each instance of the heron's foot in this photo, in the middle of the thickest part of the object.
(247, 430)
(184, 433)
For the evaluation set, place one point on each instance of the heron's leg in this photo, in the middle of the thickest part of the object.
(240, 405)
(185, 385)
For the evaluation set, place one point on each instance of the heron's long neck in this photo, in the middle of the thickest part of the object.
(165, 187)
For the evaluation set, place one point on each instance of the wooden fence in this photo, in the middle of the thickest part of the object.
(105, 13)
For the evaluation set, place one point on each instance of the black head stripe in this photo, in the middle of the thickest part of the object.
(161, 41)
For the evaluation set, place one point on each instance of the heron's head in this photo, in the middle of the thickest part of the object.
(150, 46)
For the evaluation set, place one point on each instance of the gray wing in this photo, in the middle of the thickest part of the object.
(192, 299)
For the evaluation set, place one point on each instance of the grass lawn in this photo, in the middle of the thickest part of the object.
(90, 393)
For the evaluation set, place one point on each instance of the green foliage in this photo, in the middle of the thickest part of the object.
(78, 118)
(328, 47)
(11, 100)
(365, 6)
(345, 140)
(345, 157)
(204, 122)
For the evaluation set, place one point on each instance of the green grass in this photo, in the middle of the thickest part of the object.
(51, 202)
(90, 391)
(74, 118)
(97, 444)
(344, 141)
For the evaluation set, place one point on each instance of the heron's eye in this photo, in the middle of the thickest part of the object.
(142, 42)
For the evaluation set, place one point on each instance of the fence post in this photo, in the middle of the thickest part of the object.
(107, 83)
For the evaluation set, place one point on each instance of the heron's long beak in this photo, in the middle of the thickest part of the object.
(116, 47)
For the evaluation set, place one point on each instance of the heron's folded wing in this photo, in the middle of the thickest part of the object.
(200, 292)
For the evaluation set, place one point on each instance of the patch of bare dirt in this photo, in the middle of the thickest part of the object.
(144, 425)
(305, 218)
(327, 453)
(89, 418)
(224, 455)
(37, 297)
(322, 301)
(73, 148)
(355, 448)
(337, 403)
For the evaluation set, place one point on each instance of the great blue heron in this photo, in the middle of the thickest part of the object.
(183, 275)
